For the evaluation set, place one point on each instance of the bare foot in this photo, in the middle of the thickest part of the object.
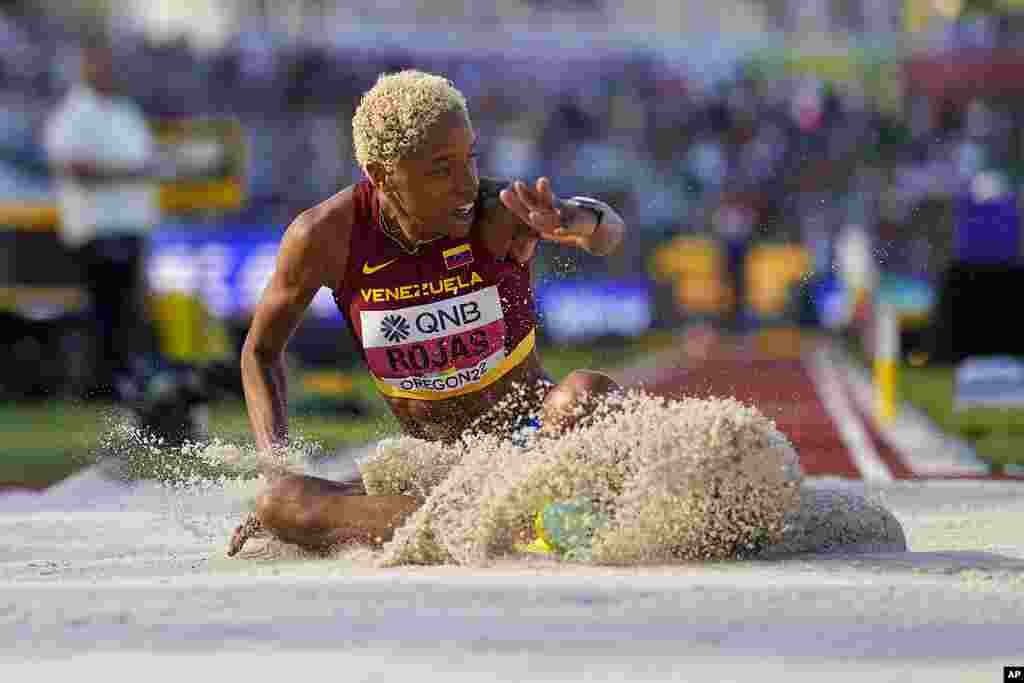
(246, 530)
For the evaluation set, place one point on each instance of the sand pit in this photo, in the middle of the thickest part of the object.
(110, 574)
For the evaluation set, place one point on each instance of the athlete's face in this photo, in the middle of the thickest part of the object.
(437, 185)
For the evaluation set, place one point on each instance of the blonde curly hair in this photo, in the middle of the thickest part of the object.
(393, 116)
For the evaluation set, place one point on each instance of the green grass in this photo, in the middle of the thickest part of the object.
(996, 434)
(44, 441)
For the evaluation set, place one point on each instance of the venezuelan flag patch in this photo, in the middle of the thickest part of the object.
(459, 256)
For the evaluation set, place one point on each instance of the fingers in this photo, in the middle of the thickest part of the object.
(547, 195)
(539, 199)
(526, 195)
(512, 202)
(537, 207)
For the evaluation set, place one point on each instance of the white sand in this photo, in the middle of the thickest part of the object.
(96, 578)
(685, 479)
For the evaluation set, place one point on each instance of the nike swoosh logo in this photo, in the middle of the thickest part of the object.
(370, 270)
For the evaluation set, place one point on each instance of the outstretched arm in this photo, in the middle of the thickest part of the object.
(587, 223)
(300, 271)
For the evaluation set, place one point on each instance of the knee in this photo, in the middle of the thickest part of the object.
(590, 383)
(574, 397)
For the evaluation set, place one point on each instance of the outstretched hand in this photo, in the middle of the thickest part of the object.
(546, 217)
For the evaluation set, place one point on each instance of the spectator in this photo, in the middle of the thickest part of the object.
(103, 156)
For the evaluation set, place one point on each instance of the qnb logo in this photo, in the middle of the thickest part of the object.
(443, 319)
(395, 328)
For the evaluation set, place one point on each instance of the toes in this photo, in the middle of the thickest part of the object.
(246, 530)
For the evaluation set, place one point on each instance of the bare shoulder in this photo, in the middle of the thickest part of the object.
(327, 223)
(318, 238)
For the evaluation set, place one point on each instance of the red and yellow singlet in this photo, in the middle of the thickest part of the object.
(446, 321)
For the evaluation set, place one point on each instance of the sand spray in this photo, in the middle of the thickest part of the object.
(640, 479)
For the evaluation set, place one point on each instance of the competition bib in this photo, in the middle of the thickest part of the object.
(441, 349)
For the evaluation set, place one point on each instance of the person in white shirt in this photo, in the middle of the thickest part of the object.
(103, 157)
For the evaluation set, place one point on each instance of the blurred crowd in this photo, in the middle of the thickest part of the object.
(746, 157)
(755, 153)
(629, 122)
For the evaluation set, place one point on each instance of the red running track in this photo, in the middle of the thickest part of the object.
(783, 390)
(780, 385)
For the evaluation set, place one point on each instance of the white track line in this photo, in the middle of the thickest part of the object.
(851, 428)
(925, 449)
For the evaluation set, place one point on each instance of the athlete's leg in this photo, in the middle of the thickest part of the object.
(319, 514)
(574, 397)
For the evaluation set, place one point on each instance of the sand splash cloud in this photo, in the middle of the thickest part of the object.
(690, 479)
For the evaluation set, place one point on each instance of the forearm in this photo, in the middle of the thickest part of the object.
(602, 236)
(266, 392)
